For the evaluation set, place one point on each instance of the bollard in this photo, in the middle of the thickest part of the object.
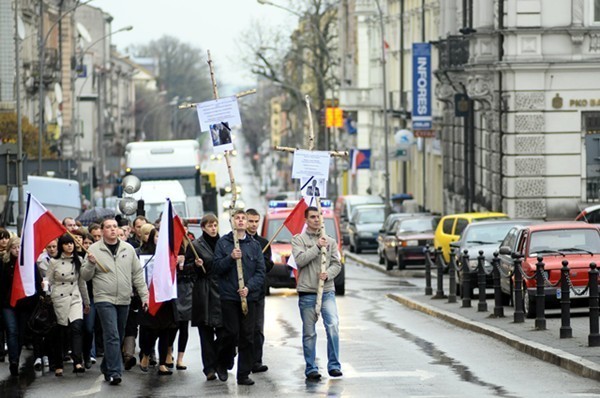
(540, 295)
(452, 277)
(428, 290)
(482, 304)
(565, 303)
(594, 336)
(519, 315)
(498, 307)
(439, 262)
(465, 286)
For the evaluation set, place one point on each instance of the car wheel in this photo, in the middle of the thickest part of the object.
(388, 264)
(528, 304)
(400, 262)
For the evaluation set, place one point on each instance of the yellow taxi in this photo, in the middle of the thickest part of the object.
(451, 226)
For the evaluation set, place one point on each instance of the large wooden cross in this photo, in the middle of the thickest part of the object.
(236, 242)
(311, 146)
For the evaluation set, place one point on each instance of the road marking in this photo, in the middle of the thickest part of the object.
(94, 389)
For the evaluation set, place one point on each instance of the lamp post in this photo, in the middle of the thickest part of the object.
(41, 57)
(388, 208)
(79, 133)
(19, 125)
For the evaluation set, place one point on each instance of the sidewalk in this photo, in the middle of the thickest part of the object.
(573, 354)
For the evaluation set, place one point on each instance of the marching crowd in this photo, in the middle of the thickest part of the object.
(96, 279)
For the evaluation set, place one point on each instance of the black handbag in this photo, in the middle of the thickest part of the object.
(43, 318)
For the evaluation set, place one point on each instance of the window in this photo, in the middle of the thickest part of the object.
(447, 226)
(596, 11)
(461, 224)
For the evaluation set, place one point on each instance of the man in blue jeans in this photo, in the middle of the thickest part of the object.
(306, 249)
(114, 269)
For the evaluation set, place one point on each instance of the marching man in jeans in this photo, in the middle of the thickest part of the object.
(306, 249)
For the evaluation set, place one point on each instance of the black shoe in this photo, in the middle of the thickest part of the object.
(246, 381)
(129, 363)
(259, 368)
(211, 376)
(78, 369)
(87, 364)
(165, 372)
(335, 373)
(222, 374)
(314, 376)
(14, 369)
(169, 365)
(114, 380)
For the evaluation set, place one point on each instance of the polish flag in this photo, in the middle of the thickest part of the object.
(40, 227)
(295, 221)
(163, 286)
(357, 158)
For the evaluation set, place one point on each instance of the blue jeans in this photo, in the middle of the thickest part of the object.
(16, 323)
(307, 303)
(113, 319)
(88, 332)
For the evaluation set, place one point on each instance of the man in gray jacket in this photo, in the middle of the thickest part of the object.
(306, 249)
(114, 269)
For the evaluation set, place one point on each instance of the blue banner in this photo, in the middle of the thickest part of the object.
(421, 86)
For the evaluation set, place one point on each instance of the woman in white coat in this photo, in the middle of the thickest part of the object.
(70, 300)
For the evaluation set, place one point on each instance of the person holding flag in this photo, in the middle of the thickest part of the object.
(306, 249)
(114, 269)
(237, 326)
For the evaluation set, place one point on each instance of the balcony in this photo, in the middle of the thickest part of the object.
(51, 69)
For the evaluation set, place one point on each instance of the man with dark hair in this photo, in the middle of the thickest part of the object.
(69, 223)
(114, 269)
(135, 239)
(238, 326)
(259, 329)
(96, 232)
(306, 249)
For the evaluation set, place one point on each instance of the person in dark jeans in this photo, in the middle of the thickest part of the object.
(238, 326)
(259, 330)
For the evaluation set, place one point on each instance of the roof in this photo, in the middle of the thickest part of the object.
(554, 225)
(477, 215)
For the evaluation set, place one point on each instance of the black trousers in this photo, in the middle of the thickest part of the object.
(59, 336)
(184, 334)
(209, 344)
(237, 328)
(259, 331)
(148, 337)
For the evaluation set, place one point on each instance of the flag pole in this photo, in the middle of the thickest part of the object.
(87, 252)
(274, 236)
(236, 242)
(194, 250)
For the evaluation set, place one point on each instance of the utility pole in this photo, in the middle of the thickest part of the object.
(423, 138)
(19, 123)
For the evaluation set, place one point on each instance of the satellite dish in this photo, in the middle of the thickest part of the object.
(128, 206)
(20, 28)
(58, 93)
(131, 184)
(83, 32)
(48, 109)
(59, 119)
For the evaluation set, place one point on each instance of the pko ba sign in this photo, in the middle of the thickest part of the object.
(421, 106)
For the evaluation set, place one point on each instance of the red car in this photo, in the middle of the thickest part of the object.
(576, 242)
(281, 275)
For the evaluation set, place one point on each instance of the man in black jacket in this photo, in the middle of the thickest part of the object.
(259, 329)
(235, 324)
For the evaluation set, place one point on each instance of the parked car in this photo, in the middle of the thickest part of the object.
(483, 236)
(576, 242)
(451, 226)
(364, 226)
(344, 206)
(406, 243)
(281, 275)
(389, 228)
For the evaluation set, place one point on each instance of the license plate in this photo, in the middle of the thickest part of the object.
(558, 293)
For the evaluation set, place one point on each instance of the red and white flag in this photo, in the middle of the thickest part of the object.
(163, 286)
(40, 227)
(295, 221)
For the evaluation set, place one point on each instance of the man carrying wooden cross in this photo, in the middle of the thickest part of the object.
(306, 249)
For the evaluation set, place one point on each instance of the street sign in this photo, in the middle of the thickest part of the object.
(421, 103)
(424, 133)
(401, 154)
(334, 117)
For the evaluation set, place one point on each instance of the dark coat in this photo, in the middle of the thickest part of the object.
(206, 302)
(185, 285)
(253, 264)
(26, 304)
(268, 258)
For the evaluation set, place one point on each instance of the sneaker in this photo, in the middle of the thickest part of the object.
(222, 373)
(92, 360)
(246, 381)
(313, 376)
(37, 365)
(335, 373)
(45, 361)
(114, 380)
(259, 368)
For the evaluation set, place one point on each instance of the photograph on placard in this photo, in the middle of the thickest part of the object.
(221, 137)
(313, 187)
(147, 263)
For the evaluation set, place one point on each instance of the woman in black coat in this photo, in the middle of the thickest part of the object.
(206, 303)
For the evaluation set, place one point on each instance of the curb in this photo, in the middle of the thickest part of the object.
(573, 363)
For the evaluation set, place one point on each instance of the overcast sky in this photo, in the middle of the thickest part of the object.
(214, 25)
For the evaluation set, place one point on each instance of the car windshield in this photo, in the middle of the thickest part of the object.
(285, 236)
(564, 240)
(370, 216)
(154, 210)
(486, 234)
(416, 225)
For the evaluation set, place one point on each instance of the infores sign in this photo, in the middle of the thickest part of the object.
(421, 106)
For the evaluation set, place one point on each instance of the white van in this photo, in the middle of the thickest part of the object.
(155, 193)
(61, 196)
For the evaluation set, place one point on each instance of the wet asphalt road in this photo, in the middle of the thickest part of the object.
(387, 350)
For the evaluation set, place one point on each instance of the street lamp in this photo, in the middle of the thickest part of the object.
(41, 57)
(388, 208)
